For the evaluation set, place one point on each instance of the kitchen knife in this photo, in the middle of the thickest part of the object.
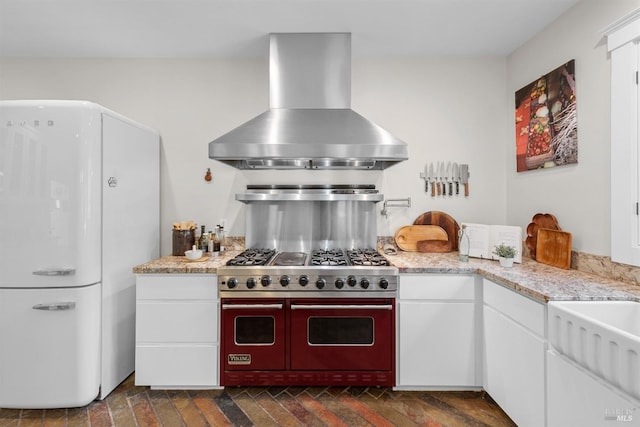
(445, 177)
(434, 185)
(464, 178)
(425, 175)
(432, 179)
(456, 177)
(450, 177)
(439, 178)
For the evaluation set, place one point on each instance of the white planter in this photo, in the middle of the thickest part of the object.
(506, 262)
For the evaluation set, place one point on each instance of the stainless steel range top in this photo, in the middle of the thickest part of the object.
(320, 273)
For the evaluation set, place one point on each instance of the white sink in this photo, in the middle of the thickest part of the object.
(601, 336)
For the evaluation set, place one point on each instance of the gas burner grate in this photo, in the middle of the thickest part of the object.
(367, 257)
(253, 257)
(333, 257)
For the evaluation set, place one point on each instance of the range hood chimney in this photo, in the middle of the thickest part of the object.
(310, 124)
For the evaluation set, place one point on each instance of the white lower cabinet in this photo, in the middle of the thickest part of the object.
(177, 331)
(437, 340)
(514, 353)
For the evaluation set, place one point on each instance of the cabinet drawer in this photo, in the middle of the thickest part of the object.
(175, 322)
(437, 286)
(523, 310)
(177, 366)
(176, 286)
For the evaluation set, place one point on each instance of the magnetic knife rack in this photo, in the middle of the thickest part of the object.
(445, 178)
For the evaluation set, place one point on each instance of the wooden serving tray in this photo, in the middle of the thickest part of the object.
(554, 248)
(407, 237)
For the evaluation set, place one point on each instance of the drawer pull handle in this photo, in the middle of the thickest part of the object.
(56, 272)
(340, 307)
(251, 306)
(56, 306)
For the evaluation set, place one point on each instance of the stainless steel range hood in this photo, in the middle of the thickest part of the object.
(310, 124)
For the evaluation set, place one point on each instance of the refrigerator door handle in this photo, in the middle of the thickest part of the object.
(55, 306)
(56, 272)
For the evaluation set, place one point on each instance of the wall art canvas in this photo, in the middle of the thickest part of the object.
(546, 121)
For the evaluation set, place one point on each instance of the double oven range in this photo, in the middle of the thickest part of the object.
(318, 306)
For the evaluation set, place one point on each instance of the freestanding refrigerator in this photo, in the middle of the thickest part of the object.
(79, 207)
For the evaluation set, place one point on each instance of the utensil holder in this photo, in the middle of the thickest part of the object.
(183, 240)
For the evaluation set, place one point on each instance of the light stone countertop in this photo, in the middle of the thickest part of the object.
(538, 281)
(181, 265)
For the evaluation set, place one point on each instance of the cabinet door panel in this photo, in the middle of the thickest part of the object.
(177, 366)
(437, 344)
(514, 369)
(175, 322)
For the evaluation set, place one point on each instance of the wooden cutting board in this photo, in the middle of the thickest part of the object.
(553, 247)
(443, 220)
(438, 246)
(407, 237)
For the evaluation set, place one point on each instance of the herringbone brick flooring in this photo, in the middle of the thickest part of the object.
(131, 406)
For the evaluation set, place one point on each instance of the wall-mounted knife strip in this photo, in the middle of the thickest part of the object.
(445, 177)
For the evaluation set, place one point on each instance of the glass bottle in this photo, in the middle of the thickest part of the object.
(221, 237)
(463, 244)
(202, 240)
(216, 243)
(205, 242)
(212, 237)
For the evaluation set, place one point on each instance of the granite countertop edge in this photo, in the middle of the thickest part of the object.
(537, 281)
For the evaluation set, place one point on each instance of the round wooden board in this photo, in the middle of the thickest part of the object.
(539, 221)
(445, 221)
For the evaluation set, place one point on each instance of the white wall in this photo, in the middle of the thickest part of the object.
(579, 194)
(445, 109)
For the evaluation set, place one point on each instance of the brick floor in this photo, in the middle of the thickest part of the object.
(132, 406)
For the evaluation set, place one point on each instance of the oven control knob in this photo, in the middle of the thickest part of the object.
(285, 280)
(384, 283)
(364, 283)
(320, 283)
(339, 283)
(232, 283)
(265, 280)
(303, 280)
(351, 281)
(251, 283)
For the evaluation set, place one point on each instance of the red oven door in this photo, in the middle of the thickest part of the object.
(342, 335)
(253, 334)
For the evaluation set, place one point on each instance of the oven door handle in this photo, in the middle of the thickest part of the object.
(341, 307)
(251, 306)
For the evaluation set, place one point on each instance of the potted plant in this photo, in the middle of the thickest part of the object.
(505, 254)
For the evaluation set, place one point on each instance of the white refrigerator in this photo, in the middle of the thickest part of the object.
(79, 207)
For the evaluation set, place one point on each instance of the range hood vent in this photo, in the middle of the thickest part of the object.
(310, 124)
